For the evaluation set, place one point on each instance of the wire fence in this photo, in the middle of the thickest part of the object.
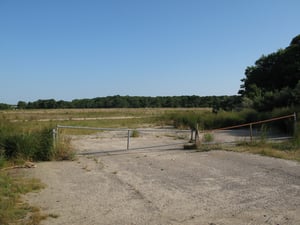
(126, 139)
(252, 131)
(145, 136)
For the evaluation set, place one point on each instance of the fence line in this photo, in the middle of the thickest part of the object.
(128, 130)
(122, 129)
(256, 122)
(194, 133)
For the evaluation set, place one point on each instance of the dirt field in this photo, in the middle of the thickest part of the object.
(166, 185)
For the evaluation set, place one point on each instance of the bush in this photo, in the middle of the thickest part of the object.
(16, 146)
(208, 120)
(44, 143)
(35, 145)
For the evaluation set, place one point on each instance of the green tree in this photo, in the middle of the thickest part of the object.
(21, 105)
(272, 81)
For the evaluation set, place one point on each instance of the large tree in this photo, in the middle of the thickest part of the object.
(273, 80)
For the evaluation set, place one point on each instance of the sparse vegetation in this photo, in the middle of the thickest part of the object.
(63, 149)
(284, 150)
(208, 137)
(12, 209)
(27, 135)
(135, 133)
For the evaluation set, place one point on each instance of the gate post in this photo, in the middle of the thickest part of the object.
(251, 132)
(192, 135)
(55, 133)
(54, 137)
(128, 139)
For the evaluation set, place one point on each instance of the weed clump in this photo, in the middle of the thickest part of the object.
(35, 145)
(31, 145)
(63, 150)
(135, 133)
(208, 137)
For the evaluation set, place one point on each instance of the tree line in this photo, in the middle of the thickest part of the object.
(117, 101)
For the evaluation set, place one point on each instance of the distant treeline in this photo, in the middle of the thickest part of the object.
(117, 101)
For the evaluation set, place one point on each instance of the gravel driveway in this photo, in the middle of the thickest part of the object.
(167, 186)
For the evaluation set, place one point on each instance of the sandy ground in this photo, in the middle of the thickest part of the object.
(166, 185)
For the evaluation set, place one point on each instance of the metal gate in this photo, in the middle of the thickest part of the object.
(122, 139)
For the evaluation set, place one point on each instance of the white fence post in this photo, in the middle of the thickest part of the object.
(54, 137)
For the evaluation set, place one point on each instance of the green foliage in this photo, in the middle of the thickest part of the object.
(208, 137)
(4, 106)
(117, 101)
(285, 150)
(274, 80)
(208, 120)
(28, 145)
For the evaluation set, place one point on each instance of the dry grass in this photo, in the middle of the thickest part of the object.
(285, 150)
(268, 149)
(13, 210)
(63, 149)
(47, 115)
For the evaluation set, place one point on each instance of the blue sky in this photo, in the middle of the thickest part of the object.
(68, 49)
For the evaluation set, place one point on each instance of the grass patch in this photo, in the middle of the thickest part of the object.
(284, 150)
(12, 209)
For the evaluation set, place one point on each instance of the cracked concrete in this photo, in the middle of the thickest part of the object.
(161, 186)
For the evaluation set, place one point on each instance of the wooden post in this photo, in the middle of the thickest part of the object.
(251, 133)
(128, 139)
(57, 134)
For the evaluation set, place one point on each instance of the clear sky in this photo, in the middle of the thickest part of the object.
(67, 49)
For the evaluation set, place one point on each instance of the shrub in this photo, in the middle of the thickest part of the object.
(208, 137)
(208, 120)
(18, 146)
(44, 143)
(63, 150)
(135, 133)
(35, 145)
